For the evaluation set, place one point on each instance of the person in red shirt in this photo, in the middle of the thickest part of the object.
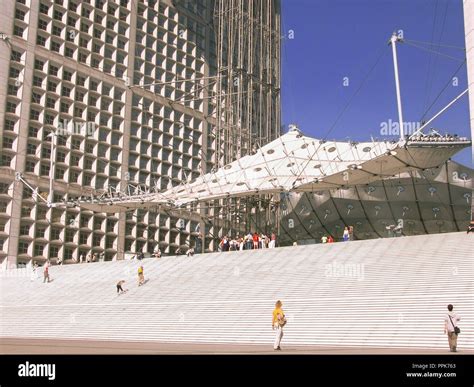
(330, 239)
(255, 240)
(46, 272)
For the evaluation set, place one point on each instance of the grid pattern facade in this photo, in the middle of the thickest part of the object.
(114, 76)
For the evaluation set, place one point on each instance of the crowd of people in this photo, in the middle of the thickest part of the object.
(347, 235)
(248, 242)
(255, 240)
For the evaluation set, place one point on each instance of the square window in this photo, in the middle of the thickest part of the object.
(23, 247)
(35, 97)
(30, 166)
(42, 24)
(19, 14)
(69, 52)
(12, 90)
(9, 125)
(57, 31)
(15, 56)
(55, 46)
(44, 8)
(71, 21)
(72, 6)
(11, 107)
(31, 149)
(58, 15)
(53, 70)
(52, 86)
(8, 143)
(18, 31)
(44, 170)
(41, 41)
(67, 75)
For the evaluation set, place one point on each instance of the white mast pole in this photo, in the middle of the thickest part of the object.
(468, 6)
(393, 40)
(420, 129)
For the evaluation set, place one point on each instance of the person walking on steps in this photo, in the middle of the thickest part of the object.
(46, 272)
(119, 287)
(141, 277)
(278, 322)
(34, 272)
(470, 227)
(451, 328)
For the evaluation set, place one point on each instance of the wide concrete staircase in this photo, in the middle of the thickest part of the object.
(380, 293)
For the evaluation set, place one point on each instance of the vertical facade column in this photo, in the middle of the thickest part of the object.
(20, 158)
(7, 9)
(127, 127)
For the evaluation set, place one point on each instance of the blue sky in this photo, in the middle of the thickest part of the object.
(328, 40)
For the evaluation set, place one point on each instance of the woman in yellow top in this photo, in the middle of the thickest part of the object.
(141, 277)
(277, 324)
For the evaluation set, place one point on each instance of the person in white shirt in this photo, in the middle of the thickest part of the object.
(345, 235)
(450, 323)
(271, 245)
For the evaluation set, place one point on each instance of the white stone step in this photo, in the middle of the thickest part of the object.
(228, 297)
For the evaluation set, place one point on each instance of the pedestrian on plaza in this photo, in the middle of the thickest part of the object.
(345, 235)
(272, 242)
(278, 322)
(34, 273)
(330, 239)
(157, 252)
(451, 328)
(324, 239)
(119, 287)
(470, 227)
(46, 272)
(255, 240)
(241, 243)
(225, 244)
(249, 241)
(351, 233)
(141, 276)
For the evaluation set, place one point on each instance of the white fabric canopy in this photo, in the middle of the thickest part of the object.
(295, 162)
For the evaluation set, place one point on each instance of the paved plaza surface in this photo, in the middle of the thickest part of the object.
(86, 347)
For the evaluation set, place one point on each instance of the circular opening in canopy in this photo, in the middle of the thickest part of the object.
(366, 149)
